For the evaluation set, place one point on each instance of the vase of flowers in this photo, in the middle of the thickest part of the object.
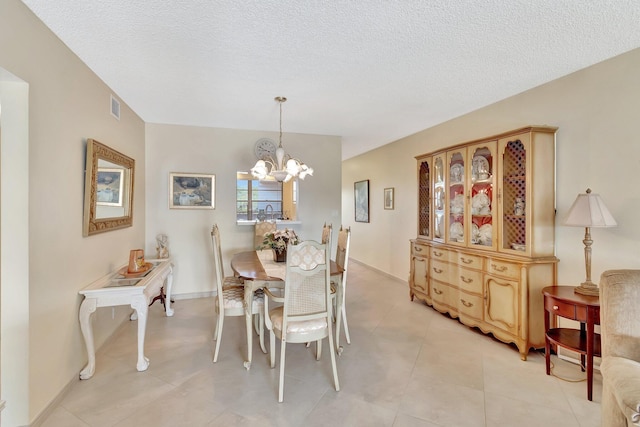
(277, 240)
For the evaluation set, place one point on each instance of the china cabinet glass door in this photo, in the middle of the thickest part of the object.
(456, 196)
(514, 192)
(424, 198)
(439, 197)
(483, 195)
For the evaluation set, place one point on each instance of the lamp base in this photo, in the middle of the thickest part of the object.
(587, 288)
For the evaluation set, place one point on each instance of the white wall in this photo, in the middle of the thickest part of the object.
(597, 146)
(67, 104)
(223, 152)
(14, 247)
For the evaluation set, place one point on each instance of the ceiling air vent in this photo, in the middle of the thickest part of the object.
(115, 108)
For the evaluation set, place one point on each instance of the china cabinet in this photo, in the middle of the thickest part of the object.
(485, 245)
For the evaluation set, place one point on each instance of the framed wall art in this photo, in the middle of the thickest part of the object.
(109, 183)
(361, 198)
(388, 198)
(191, 191)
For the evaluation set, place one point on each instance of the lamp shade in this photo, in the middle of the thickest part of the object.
(588, 210)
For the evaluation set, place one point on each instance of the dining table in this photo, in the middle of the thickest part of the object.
(258, 270)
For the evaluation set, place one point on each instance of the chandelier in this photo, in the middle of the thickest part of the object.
(283, 167)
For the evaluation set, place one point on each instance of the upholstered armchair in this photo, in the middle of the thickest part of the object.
(620, 333)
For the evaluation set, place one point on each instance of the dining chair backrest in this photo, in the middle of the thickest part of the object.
(342, 251)
(307, 282)
(262, 227)
(326, 233)
(217, 260)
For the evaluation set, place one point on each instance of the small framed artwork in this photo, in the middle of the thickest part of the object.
(109, 186)
(388, 198)
(191, 191)
(361, 198)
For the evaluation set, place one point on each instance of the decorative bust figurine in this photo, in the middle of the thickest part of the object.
(518, 206)
(162, 246)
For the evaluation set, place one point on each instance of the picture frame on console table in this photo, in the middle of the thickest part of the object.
(361, 198)
(191, 191)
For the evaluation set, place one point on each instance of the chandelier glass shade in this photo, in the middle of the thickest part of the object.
(282, 167)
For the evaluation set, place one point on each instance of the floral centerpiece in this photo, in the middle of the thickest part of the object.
(278, 240)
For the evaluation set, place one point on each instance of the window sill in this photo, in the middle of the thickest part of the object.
(278, 221)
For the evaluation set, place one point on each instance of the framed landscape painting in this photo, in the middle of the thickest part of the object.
(191, 191)
(361, 197)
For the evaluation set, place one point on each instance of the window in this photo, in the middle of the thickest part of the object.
(269, 197)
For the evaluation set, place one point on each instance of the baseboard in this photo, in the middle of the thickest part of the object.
(384, 273)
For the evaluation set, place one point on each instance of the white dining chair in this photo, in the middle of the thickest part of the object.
(306, 311)
(327, 230)
(229, 300)
(339, 285)
(262, 227)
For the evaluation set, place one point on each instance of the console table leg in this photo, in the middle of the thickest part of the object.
(169, 284)
(87, 307)
(140, 305)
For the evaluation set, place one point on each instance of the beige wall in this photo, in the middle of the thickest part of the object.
(67, 103)
(222, 152)
(597, 146)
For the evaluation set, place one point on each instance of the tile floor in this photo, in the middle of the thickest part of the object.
(407, 366)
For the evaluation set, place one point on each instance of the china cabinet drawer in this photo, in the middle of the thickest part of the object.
(420, 250)
(469, 261)
(503, 268)
(444, 295)
(441, 254)
(469, 280)
(439, 271)
(470, 305)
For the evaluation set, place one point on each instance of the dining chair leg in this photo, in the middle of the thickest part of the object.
(218, 336)
(283, 346)
(318, 349)
(261, 332)
(344, 320)
(249, 328)
(272, 349)
(333, 359)
(338, 321)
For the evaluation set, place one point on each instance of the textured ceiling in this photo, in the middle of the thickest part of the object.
(370, 71)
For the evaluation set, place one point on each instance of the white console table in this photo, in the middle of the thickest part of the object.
(114, 289)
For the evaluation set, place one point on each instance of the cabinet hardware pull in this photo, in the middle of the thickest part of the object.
(500, 269)
(465, 280)
(555, 307)
(437, 270)
(436, 253)
(466, 261)
(466, 304)
(417, 249)
(436, 291)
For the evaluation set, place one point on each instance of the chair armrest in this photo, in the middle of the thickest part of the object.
(275, 298)
(623, 378)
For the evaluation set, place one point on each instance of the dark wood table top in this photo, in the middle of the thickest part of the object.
(566, 293)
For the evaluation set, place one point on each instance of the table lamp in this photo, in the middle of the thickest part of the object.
(588, 211)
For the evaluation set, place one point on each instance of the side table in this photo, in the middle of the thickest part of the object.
(112, 290)
(564, 302)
